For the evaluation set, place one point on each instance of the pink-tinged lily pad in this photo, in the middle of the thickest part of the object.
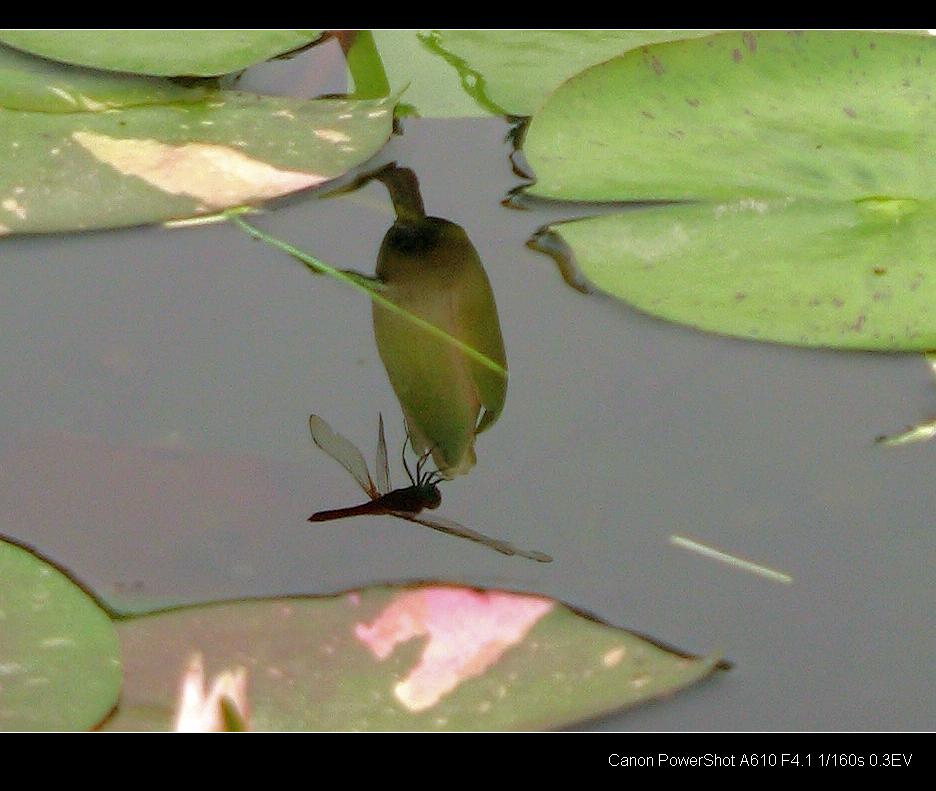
(418, 657)
(59, 655)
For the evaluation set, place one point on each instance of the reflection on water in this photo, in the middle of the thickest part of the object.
(429, 267)
(552, 244)
(180, 509)
(435, 323)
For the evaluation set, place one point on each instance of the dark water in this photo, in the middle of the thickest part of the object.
(156, 386)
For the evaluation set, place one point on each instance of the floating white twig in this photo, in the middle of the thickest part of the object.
(918, 433)
(731, 560)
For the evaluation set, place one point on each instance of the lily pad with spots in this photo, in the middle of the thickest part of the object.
(510, 72)
(800, 171)
(850, 275)
(196, 53)
(154, 163)
(59, 654)
(465, 73)
(425, 657)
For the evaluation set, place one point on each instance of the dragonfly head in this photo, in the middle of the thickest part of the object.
(430, 495)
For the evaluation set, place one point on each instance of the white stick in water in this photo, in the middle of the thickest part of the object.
(731, 560)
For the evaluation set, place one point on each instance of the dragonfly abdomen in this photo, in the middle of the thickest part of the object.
(410, 500)
(373, 508)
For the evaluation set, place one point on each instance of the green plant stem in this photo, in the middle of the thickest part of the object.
(365, 65)
(372, 289)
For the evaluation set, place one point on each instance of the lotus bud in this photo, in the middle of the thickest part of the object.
(429, 267)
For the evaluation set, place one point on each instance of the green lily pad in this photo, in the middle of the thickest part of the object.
(432, 657)
(510, 72)
(40, 85)
(381, 62)
(808, 162)
(849, 275)
(197, 53)
(468, 73)
(154, 163)
(812, 115)
(59, 654)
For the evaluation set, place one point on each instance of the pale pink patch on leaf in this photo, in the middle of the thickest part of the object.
(468, 633)
(218, 176)
(199, 710)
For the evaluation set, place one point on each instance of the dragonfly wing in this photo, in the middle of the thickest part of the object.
(454, 529)
(383, 467)
(344, 452)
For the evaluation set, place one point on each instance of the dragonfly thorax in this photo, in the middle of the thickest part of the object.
(410, 500)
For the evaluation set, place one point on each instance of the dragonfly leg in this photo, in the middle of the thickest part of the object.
(421, 463)
(403, 456)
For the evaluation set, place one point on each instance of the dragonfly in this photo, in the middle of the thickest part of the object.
(405, 503)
